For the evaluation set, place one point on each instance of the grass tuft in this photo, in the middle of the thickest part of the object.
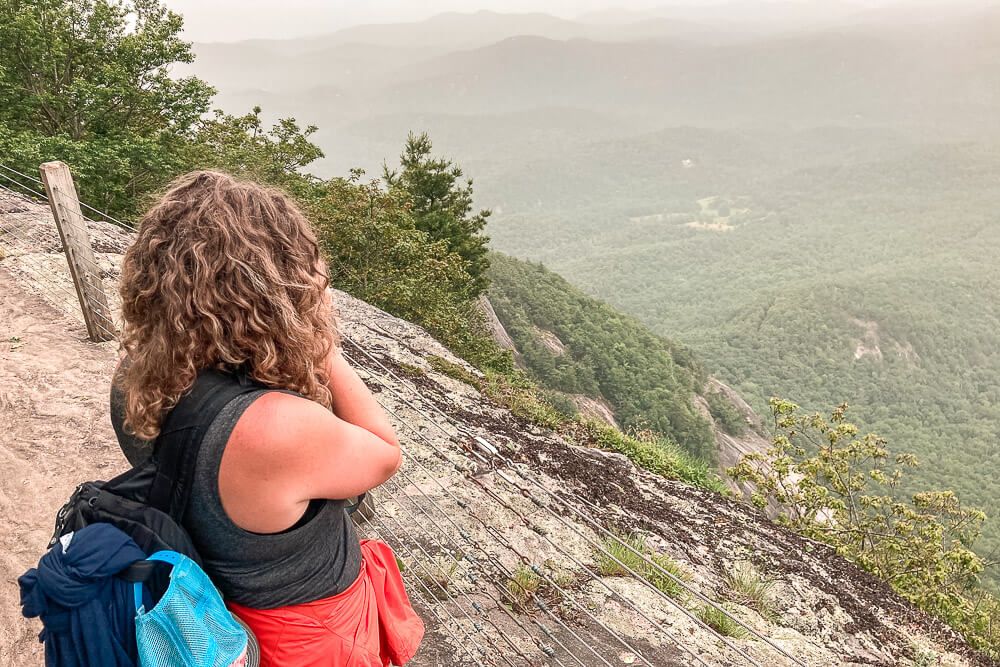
(454, 371)
(437, 576)
(656, 454)
(410, 370)
(620, 558)
(747, 586)
(721, 623)
(523, 585)
(522, 397)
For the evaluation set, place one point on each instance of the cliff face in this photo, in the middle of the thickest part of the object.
(502, 528)
(496, 327)
(729, 448)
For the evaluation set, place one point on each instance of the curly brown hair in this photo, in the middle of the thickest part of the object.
(223, 274)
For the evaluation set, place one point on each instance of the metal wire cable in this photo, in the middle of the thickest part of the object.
(90, 291)
(44, 198)
(544, 609)
(31, 195)
(515, 468)
(29, 246)
(66, 214)
(492, 449)
(510, 615)
(497, 566)
(445, 589)
(632, 572)
(21, 174)
(435, 608)
(504, 591)
(38, 273)
(93, 263)
(106, 216)
(659, 569)
(505, 543)
(528, 562)
(521, 557)
(400, 529)
(594, 577)
(607, 554)
(34, 265)
(474, 544)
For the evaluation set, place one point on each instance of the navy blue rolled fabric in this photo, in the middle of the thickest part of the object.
(88, 614)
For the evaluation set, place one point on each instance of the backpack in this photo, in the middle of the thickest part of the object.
(148, 502)
(189, 626)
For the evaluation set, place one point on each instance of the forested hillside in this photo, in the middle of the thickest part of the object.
(574, 344)
(836, 266)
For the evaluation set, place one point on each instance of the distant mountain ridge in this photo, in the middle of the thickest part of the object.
(920, 77)
(466, 29)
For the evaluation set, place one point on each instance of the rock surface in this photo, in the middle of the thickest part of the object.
(730, 449)
(498, 523)
(594, 408)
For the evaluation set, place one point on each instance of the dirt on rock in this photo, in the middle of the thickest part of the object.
(54, 433)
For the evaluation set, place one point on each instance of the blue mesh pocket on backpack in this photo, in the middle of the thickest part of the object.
(189, 626)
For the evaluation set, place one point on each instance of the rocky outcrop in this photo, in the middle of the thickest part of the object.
(729, 448)
(502, 526)
(496, 327)
(550, 341)
(595, 408)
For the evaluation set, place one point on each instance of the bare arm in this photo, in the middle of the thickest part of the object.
(287, 450)
(354, 403)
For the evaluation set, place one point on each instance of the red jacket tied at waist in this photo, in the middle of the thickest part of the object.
(371, 624)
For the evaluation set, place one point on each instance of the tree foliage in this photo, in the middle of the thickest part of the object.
(88, 82)
(378, 254)
(242, 146)
(649, 381)
(725, 414)
(442, 205)
(834, 485)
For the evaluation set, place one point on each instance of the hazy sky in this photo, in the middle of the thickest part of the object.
(225, 20)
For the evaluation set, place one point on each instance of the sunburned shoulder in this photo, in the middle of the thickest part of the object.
(277, 421)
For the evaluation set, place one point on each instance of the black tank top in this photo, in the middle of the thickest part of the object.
(316, 558)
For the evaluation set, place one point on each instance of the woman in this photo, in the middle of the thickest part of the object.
(228, 275)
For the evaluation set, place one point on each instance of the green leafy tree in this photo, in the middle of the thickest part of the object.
(833, 485)
(378, 254)
(242, 146)
(442, 205)
(88, 82)
(725, 414)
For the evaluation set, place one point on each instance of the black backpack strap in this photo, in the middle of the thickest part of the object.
(176, 449)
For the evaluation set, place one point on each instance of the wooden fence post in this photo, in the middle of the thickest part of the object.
(76, 243)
